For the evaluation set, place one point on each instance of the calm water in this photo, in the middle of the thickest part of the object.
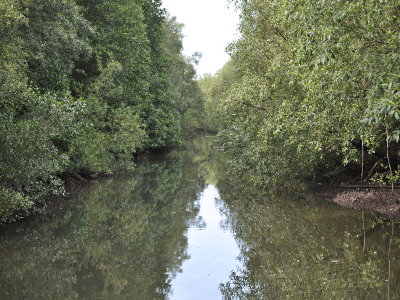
(182, 227)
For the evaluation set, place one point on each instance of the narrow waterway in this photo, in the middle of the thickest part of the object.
(182, 227)
(213, 252)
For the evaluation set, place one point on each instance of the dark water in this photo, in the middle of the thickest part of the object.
(182, 227)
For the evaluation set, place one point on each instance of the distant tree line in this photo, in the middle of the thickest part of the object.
(84, 84)
(311, 87)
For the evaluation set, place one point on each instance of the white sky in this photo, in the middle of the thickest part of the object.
(209, 27)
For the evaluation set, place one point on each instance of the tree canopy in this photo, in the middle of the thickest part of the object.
(316, 87)
(185, 91)
(83, 86)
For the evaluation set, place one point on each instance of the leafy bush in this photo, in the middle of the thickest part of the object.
(315, 80)
(81, 89)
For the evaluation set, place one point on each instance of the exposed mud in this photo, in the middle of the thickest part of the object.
(377, 199)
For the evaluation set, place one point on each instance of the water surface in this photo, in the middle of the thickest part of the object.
(184, 227)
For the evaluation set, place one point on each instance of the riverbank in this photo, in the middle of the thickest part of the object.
(381, 200)
(341, 189)
(74, 184)
(375, 199)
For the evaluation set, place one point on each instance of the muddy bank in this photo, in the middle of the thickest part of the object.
(381, 200)
(76, 183)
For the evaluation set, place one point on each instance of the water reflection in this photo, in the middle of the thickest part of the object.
(180, 228)
(302, 248)
(213, 254)
(123, 239)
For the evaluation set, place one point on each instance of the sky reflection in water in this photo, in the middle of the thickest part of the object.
(181, 228)
(213, 252)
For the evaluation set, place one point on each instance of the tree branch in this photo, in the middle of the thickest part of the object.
(253, 106)
(275, 28)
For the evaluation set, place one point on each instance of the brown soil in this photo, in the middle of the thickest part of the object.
(377, 199)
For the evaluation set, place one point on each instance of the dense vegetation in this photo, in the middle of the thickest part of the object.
(83, 86)
(311, 86)
(125, 238)
(186, 94)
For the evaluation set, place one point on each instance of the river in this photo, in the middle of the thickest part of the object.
(181, 227)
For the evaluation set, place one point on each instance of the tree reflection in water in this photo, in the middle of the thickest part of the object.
(305, 248)
(124, 239)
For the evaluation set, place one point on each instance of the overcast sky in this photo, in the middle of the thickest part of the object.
(209, 26)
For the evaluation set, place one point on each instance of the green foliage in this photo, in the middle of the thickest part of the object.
(30, 159)
(54, 38)
(10, 201)
(214, 89)
(188, 102)
(314, 78)
(108, 136)
(29, 121)
(13, 83)
(127, 236)
(83, 85)
(131, 31)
